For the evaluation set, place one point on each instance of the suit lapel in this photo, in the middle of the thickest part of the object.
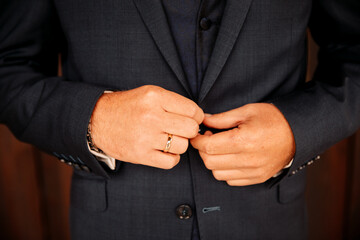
(232, 21)
(155, 20)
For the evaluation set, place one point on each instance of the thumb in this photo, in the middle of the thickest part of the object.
(229, 119)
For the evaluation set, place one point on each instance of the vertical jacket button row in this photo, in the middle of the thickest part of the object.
(184, 211)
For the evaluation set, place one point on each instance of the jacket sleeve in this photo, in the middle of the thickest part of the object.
(327, 109)
(39, 107)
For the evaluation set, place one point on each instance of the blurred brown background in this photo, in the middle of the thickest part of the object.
(34, 189)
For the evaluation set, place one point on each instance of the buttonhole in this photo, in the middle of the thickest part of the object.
(210, 209)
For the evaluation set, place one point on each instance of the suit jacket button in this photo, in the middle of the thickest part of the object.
(85, 168)
(205, 24)
(184, 211)
(76, 166)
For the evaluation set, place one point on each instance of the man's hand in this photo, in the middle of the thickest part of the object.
(133, 125)
(260, 144)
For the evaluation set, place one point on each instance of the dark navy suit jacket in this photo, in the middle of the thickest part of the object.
(259, 56)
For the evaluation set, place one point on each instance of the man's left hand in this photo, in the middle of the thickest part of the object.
(257, 147)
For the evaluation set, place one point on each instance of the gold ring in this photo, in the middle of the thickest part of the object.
(168, 143)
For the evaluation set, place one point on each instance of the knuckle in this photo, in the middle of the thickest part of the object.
(251, 109)
(209, 163)
(263, 178)
(236, 137)
(192, 110)
(176, 159)
(260, 181)
(166, 166)
(209, 148)
(183, 146)
(150, 91)
(248, 142)
(202, 115)
(231, 183)
(172, 162)
(217, 175)
(151, 159)
(194, 129)
(261, 173)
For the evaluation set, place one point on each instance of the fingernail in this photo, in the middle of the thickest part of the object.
(207, 115)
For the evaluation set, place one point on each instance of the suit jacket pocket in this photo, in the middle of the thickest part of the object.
(88, 193)
(292, 188)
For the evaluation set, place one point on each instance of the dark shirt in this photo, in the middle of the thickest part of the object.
(194, 25)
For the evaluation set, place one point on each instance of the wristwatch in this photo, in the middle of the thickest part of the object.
(90, 142)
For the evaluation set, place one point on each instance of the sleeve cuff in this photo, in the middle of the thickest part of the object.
(109, 161)
(281, 171)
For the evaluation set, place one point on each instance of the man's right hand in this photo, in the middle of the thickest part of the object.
(133, 126)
